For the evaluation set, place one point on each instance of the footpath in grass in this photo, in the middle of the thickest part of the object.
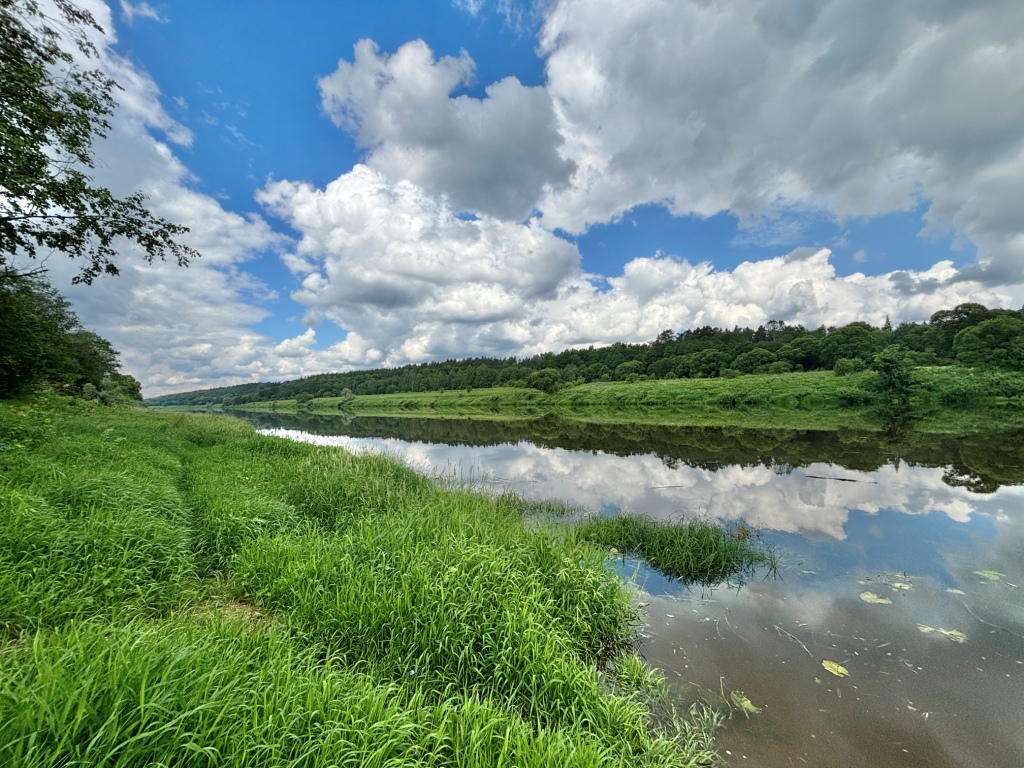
(178, 590)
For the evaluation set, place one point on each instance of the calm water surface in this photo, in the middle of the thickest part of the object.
(929, 529)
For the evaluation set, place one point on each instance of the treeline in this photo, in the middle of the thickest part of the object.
(969, 334)
(43, 343)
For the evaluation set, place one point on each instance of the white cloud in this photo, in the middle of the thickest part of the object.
(495, 155)
(472, 7)
(394, 265)
(754, 107)
(772, 112)
(411, 282)
(131, 12)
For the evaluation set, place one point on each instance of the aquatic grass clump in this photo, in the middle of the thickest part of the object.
(696, 550)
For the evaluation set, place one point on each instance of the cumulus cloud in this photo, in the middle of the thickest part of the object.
(495, 155)
(444, 243)
(396, 266)
(830, 105)
(410, 281)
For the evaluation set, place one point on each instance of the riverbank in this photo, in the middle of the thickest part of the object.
(949, 399)
(176, 589)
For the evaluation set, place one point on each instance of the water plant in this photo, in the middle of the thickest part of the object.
(694, 550)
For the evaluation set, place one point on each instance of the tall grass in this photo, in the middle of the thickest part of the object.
(177, 590)
(217, 693)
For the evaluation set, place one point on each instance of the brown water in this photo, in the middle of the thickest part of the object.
(931, 530)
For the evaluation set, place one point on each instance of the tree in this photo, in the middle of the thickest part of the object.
(947, 323)
(857, 339)
(42, 341)
(998, 342)
(665, 337)
(706, 364)
(34, 326)
(94, 355)
(756, 360)
(893, 376)
(546, 380)
(51, 112)
(804, 350)
(631, 368)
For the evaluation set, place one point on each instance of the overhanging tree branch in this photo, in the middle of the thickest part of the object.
(51, 111)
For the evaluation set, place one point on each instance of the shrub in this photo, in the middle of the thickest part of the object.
(846, 365)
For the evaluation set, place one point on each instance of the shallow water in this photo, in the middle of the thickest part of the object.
(930, 529)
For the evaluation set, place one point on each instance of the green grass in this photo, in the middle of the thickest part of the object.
(695, 550)
(178, 590)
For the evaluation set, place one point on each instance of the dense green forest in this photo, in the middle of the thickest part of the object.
(969, 334)
(42, 343)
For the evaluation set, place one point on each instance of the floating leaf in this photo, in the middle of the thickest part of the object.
(953, 634)
(740, 701)
(836, 669)
(990, 575)
(871, 597)
(956, 592)
(900, 585)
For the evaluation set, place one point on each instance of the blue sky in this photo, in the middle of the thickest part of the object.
(392, 182)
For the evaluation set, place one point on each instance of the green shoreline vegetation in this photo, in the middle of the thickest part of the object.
(946, 399)
(176, 589)
(706, 370)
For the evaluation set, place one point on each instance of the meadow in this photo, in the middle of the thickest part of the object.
(176, 589)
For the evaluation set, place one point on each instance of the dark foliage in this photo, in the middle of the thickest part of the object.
(42, 342)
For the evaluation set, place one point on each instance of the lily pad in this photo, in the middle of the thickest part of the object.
(990, 575)
(835, 668)
(871, 597)
(741, 702)
(953, 634)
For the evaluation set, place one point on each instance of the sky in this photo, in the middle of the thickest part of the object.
(375, 184)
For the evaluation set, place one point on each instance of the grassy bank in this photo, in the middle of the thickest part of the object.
(941, 399)
(177, 590)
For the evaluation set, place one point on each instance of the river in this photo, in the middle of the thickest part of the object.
(894, 632)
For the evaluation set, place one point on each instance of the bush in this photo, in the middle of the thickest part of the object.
(847, 365)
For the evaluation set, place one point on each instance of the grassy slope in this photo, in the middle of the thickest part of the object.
(177, 590)
(944, 399)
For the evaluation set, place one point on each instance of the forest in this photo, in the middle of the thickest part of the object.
(43, 344)
(968, 334)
